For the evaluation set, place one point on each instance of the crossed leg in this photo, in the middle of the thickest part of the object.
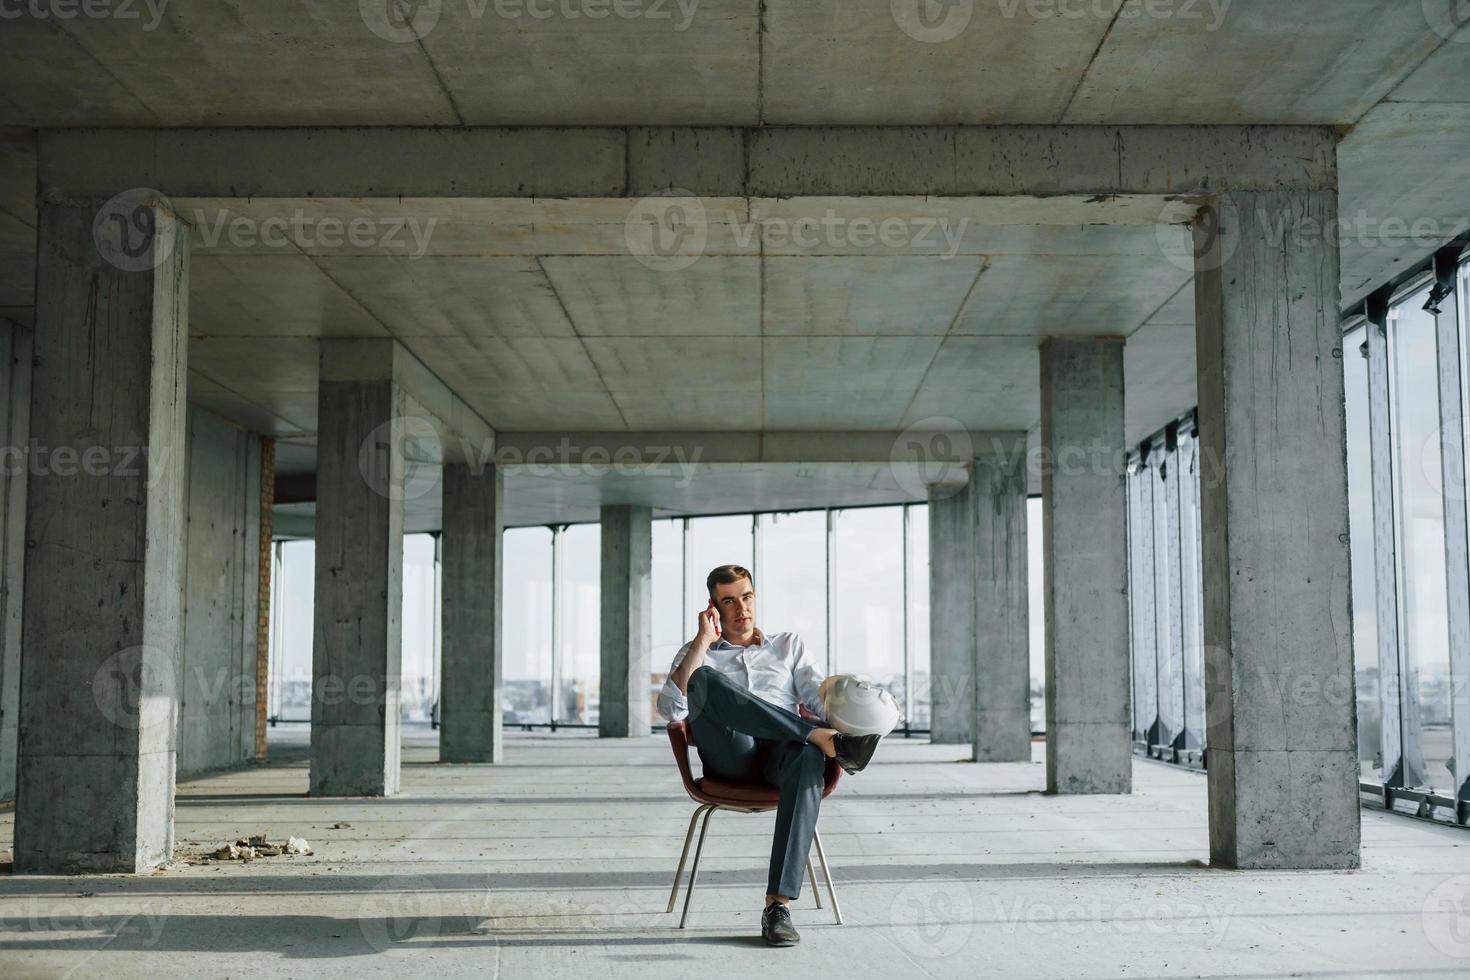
(739, 737)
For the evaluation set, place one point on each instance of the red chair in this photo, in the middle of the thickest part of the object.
(717, 794)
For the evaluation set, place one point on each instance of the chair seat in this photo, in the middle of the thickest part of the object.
(711, 789)
(721, 792)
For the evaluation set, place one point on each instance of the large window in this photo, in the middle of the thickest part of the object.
(579, 626)
(716, 541)
(1035, 582)
(1141, 628)
(420, 639)
(1360, 530)
(917, 709)
(526, 667)
(792, 581)
(1410, 552)
(1165, 596)
(293, 583)
(291, 630)
(1419, 508)
(867, 595)
(673, 618)
(1191, 590)
(551, 631)
(880, 606)
(1169, 654)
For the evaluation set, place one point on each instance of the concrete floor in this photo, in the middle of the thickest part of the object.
(558, 864)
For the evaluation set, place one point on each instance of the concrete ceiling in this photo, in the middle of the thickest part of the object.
(571, 332)
(714, 62)
(536, 315)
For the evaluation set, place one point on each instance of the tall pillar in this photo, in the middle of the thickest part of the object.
(362, 427)
(1002, 626)
(105, 529)
(15, 410)
(1089, 747)
(952, 620)
(1279, 688)
(626, 709)
(471, 595)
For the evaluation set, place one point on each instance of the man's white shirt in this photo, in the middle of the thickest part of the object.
(780, 670)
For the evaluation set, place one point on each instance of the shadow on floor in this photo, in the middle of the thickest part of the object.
(304, 881)
(319, 936)
(245, 796)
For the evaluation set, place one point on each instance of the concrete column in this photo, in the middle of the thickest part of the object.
(105, 532)
(952, 618)
(357, 650)
(1084, 505)
(626, 710)
(471, 596)
(221, 587)
(1002, 627)
(15, 409)
(1279, 688)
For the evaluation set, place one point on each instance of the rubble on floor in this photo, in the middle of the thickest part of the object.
(259, 846)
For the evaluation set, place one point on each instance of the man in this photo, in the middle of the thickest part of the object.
(740, 690)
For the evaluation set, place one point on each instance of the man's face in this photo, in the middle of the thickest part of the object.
(736, 603)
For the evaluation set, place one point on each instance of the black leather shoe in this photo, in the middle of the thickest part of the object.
(776, 928)
(854, 751)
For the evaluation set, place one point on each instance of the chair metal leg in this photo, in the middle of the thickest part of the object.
(684, 856)
(694, 871)
(812, 874)
(826, 872)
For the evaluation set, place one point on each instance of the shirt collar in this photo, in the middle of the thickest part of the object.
(762, 640)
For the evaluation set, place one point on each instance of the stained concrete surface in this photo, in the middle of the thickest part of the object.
(558, 864)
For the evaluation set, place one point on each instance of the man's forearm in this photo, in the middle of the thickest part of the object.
(688, 666)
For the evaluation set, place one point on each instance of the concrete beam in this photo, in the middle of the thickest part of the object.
(940, 448)
(459, 433)
(394, 162)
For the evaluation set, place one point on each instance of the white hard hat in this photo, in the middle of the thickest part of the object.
(854, 705)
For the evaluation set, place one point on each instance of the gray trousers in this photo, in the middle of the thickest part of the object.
(744, 739)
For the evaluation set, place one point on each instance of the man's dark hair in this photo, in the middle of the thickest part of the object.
(726, 574)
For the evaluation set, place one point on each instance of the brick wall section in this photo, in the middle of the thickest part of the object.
(263, 624)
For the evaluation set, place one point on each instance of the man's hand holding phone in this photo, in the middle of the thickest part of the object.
(707, 631)
(708, 627)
